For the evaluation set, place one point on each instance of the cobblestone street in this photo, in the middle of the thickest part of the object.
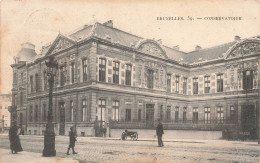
(92, 149)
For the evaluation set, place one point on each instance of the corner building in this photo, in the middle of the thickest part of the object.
(108, 78)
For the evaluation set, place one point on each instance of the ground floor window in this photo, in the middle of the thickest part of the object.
(101, 110)
(184, 115)
(232, 114)
(206, 115)
(168, 113)
(115, 110)
(128, 115)
(220, 114)
(176, 114)
(139, 115)
(195, 116)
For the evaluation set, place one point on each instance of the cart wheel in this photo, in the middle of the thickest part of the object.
(123, 136)
(135, 136)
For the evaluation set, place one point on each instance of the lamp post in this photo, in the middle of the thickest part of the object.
(49, 135)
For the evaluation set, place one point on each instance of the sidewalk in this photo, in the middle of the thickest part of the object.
(31, 157)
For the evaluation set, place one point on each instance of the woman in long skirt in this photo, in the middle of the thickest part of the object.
(15, 144)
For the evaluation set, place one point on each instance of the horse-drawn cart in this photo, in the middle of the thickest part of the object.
(132, 134)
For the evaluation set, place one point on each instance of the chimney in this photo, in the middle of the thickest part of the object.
(197, 48)
(28, 45)
(236, 38)
(109, 23)
(176, 47)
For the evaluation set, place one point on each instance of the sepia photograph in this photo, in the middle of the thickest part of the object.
(86, 81)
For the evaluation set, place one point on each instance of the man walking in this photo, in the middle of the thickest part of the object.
(72, 141)
(159, 133)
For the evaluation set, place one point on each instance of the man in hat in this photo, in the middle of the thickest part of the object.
(15, 144)
(159, 133)
(72, 140)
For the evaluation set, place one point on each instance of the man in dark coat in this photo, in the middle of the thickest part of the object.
(159, 133)
(15, 144)
(72, 141)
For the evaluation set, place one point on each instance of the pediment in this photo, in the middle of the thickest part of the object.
(244, 48)
(152, 48)
(60, 43)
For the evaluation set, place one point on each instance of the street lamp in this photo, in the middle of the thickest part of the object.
(49, 135)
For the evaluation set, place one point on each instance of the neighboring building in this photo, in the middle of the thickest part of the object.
(120, 80)
(5, 103)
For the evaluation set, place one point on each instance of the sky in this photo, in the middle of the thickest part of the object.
(40, 21)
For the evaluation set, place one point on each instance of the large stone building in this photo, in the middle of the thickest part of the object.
(120, 80)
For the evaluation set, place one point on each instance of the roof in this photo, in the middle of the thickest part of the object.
(207, 54)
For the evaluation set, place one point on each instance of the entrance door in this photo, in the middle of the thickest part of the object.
(149, 115)
(62, 119)
(248, 120)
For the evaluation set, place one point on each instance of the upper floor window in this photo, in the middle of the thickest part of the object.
(247, 79)
(22, 78)
(45, 80)
(184, 86)
(207, 84)
(44, 117)
(102, 69)
(195, 86)
(116, 72)
(150, 78)
(37, 83)
(168, 82)
(21, 98)
(84, 67)
(31, 83)
(62, 75)
(128, 74)
(115, 116)
(31, 114)
(15, 78)
(72, 70)
(177, 83)
(220, 83)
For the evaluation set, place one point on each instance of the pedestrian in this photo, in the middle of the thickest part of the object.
(72, 140)
(159, 133)
(15, 144)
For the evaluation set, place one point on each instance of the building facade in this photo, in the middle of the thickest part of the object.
(5, 118)
(108, 78)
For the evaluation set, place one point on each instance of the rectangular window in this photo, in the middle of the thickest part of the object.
(45, 80)
(115, 110)
(128, 115)
(207, 84)
(72, 71)
(168, 113)
(101, 110)
(177, 80)
(184, 115)
(31, 83)
(37, 84)
(232, 114)
(247, 79)
(220, 82)
(71, 111)
(195, 116)
(206, 115)
(84, 110)
(116, 72)
(195, 86)
(36, 113)
(150, 78)
(21, 98)
(102, 69)
(31, 114)
(220, 114)
(15, 78)
(184, 86)
(85, 69)
(22, 78)
(44, 118)
(128, 74)
(62, 76)
(176, 114)
(161, 112)
(169, 82)
(139, 115)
